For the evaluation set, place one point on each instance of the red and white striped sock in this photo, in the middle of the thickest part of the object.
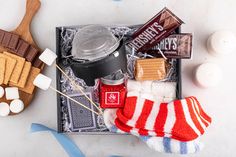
(183, 120)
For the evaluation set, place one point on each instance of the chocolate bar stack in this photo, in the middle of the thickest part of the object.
(21, 48)
(156, 38)
(22, 62)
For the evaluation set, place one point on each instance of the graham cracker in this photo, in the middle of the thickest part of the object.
(24, 76)
(2, 69)
(150, 69)
(10, 64)
(29, 86)
(18, 68)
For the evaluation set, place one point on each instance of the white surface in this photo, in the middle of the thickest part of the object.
(202, 17)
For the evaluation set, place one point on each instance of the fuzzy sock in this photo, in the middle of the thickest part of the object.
(160, 144)
(163, 91)
(182, 120)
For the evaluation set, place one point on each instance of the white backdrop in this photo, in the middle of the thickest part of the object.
(202, 17)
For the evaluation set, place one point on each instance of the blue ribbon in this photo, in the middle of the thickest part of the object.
(69, 146)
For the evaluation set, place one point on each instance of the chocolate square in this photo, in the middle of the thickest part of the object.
(31, 53)
(22, 48)
(6, 39)
(37, 62)
(13, 42)
(2, 32)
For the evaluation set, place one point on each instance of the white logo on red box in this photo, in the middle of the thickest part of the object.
(112, 98)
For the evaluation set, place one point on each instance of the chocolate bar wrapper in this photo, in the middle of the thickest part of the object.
(178, 46)
(156, 29)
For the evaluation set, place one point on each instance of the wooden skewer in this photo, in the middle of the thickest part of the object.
(74, 101)
(78, 87)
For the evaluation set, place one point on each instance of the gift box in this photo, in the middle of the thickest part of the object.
(71, 117)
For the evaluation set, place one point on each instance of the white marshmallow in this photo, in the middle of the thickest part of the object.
(208, 75)
(16, 106)
(1, 91)
(48, 57)
(4, 109)
(12, 93)
(221, 43)
(43, 82)
(133, 85)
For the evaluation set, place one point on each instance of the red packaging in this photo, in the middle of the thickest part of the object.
(112, 93)
(156, 29)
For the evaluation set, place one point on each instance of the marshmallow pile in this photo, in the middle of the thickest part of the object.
(16, 105)
(12, 93)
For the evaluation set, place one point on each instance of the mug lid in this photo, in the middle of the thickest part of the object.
(93, 42)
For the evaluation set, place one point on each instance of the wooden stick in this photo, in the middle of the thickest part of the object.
(74, 100)
(78, 87)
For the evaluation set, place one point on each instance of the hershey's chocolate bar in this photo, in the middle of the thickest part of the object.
(174, 46)
(159, 27)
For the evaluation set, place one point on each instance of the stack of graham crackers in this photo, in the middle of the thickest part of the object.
(20, 65)
(150, 69)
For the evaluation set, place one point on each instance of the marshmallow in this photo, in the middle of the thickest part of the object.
(16, 106)
(1, 91)
(208, 75)
(133, 85)
(4, 109)
(221, 43)
(48, 57)
(43, 82)
(12, 93)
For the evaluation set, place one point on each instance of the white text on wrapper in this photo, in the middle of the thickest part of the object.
(146, 36)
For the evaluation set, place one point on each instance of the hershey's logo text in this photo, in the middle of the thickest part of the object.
(146, 36)
(167, 44)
